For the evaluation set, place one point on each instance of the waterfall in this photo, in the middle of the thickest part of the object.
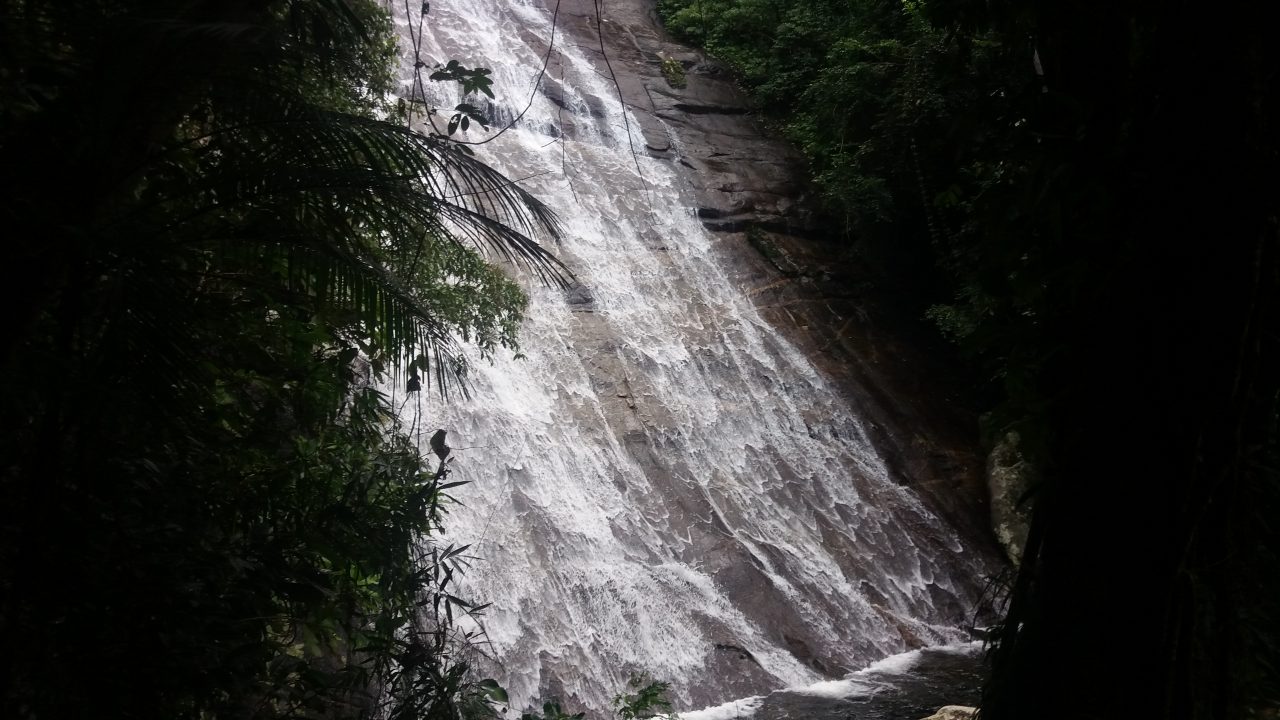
(664, 484)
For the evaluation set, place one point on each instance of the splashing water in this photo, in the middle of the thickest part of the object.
(664, 484)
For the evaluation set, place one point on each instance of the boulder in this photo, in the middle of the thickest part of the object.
(953, 712)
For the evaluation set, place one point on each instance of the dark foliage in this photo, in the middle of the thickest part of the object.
(1088, 196)
(215, 245)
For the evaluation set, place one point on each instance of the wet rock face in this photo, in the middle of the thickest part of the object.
(1009, 477)
(738, 172)
(748, 188)
(713, 466)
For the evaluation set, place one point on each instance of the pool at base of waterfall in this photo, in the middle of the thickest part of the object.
(909, 686)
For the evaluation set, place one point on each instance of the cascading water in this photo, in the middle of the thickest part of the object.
(664, 484)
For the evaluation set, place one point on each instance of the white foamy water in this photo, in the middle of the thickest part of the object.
(665, 484)
(877, 677)
(732, 710)
(871, 677)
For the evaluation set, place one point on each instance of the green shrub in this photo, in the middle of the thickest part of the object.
(673, 71)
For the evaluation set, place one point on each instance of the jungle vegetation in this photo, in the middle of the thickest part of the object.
(222, 239)
(1085, 198)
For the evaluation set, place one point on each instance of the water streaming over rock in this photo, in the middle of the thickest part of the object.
(664, 484)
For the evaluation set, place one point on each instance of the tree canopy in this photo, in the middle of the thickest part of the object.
(222, 235)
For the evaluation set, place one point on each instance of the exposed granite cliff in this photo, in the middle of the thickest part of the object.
(749, 190)
(679, 488)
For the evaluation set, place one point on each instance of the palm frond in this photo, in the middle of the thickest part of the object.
(428, 175)
(337, 196)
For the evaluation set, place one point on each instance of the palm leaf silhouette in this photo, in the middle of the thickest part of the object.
(209, 218)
